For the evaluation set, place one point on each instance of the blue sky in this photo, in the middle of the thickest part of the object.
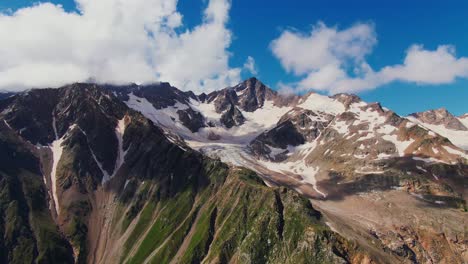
(397, 24)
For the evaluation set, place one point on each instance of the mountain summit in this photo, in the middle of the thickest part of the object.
(440, 117)
(151, 174)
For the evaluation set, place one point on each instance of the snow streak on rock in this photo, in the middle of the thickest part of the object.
(119, 132)
(368, 128)
(458, 137)
(57, 150)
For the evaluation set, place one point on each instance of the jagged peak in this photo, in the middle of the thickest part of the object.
(440, 116)
(253, 79)
(250, 80)
(347, 99)
(440, 112)
(251, 83)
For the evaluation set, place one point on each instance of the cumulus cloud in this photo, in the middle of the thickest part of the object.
(429, 67)
(116, 41)
(333, 60)
(302, 53)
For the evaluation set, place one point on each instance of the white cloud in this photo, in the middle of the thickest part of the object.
(429, 67)
(334, 61)
(250, 65)
(285, 89)
(323, 46)
(117, 41)
(323, 78)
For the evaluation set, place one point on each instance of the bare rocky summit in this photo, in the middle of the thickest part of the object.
(440, 117)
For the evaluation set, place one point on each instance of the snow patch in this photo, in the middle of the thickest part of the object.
(234, 154)
(256, 122)
(332, 228)
(386, 129)
(464, 120)
(341, 127)
(165, 117)
(307, 173)
(401, 146)
(369, 172)
(383, 156)
(119, 132)
(455, 152)
(429, 160)
(360, 156)
(275, 151)
(241, 92)
(57, 150)
(421, 168)
(126, 183)
(317, 102)
(458, 137)
(8, 125)
(409, 124)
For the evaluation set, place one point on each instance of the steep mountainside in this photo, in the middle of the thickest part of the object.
(342, 153)
(86, 179)
(440, 117)
(445, 124)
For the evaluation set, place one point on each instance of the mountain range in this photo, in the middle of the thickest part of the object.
(95, 173)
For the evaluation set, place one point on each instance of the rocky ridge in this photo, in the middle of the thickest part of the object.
(440, 117)
(139, 174)
(86, 179)
(339, 148)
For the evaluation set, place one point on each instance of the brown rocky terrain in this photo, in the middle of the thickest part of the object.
(440, 117)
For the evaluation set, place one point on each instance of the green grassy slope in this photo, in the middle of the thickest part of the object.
(234, 219)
